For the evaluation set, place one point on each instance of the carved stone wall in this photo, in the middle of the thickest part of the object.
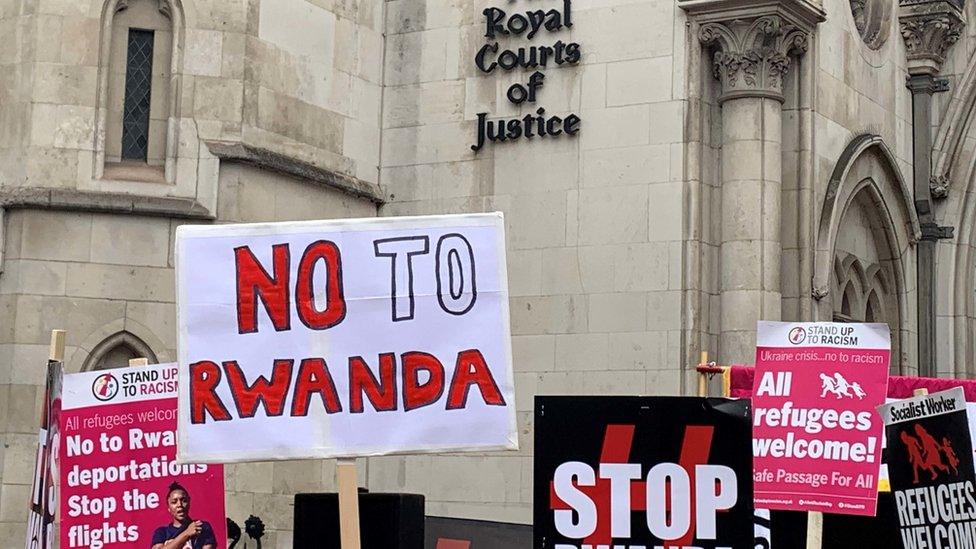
(872, 18)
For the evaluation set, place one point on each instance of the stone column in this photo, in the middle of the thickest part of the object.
(929, 28)
(753, 49)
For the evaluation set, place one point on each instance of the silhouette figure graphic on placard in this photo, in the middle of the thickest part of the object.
(827, 386)
(838, 386)
(914, 454)
(843, 387)
(933, 452)
(926, 454)
(950, 455)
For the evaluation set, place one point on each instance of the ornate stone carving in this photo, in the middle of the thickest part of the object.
(164, 8)
(939, 186)
(929, 28)
(819, 292)
(752, 57)
(872, 18)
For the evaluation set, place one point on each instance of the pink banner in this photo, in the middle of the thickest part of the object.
(816, 432)
(741, 378)
(120, 483)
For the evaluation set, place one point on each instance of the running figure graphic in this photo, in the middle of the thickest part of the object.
(933, 452)
(950, 455)
(843, 387)
(827, 386)
(914, 453)
(839, 387)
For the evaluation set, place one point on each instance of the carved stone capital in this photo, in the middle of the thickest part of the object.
(819, 292)
(751, 57)
(939, 186)
(929, 28)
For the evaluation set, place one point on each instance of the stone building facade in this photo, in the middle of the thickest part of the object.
(733, 160)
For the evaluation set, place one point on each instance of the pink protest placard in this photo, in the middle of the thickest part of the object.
(816, 432)
(120, 483)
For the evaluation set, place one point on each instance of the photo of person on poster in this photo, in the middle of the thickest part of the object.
(182, 532)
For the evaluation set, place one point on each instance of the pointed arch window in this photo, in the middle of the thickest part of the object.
(116, 350)
(138, 90)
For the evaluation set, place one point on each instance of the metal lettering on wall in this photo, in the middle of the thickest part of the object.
(491, 57)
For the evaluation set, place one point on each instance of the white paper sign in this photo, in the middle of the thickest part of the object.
(344, 338)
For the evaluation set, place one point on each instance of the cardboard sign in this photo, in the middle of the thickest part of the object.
(344, 338)
(118, 463)
(930, 464)
(642, 472)
(816, 433)
(44, 494)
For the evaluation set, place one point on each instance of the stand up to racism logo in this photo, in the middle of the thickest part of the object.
(105, 387)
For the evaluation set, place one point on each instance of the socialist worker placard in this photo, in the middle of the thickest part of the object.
(930, 464)
(645, 472)
(817, 433)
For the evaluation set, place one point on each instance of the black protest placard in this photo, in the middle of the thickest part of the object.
(629, 472)
(930, 466)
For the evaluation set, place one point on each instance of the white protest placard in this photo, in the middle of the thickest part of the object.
(344, 338)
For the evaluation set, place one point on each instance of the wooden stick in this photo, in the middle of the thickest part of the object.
(814, 530)
(703, 377)
(138, 362)
(56, 353)
(348, 503)
(921, 392)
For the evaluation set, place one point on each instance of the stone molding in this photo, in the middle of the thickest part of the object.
(929, 28)
(751, 58)
(89, 201)
(277, 162)
(46, 198)
(753, 41)
(806, 14)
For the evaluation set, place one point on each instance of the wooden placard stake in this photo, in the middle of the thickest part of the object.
(347, 479)
(139, 362)
(702, 376)
(920, 392)
(56, 353)
(814, 530)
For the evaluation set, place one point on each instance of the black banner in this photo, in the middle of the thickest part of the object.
(648, 472)
(930, 466)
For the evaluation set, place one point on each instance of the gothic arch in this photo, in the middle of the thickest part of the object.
(118, 344)
(174, 10)
(866, 180)
(952, 152)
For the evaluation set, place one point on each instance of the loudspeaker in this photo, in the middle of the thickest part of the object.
(386, 521)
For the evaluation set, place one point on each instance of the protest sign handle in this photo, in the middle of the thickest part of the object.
(348, 503)
(814, 530)
(56, 353)
(920, 392)
(141, 361)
